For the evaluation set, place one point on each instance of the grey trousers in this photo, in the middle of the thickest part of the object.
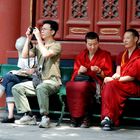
(43, 91)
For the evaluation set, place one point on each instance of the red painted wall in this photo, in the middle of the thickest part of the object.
(10, 12)
(15, 18)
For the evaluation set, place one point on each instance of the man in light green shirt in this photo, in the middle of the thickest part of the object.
(47, 50)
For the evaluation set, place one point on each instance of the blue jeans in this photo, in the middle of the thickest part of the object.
(9, 80)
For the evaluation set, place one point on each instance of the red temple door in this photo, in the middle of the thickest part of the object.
(109, 18)
(133, 14)
(51, 9)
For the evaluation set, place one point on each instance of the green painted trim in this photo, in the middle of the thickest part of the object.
(2, 108)
(134, 99)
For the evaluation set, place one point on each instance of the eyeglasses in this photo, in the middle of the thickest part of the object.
(45, 29)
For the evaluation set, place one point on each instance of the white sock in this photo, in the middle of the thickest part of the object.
(2, 89)
(106, 118)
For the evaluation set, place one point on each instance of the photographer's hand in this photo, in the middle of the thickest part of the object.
(36, 32)
(28, 33)
(40, 45)
(25, 52)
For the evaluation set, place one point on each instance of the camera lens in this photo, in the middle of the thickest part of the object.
(31, 30)
(33, 37)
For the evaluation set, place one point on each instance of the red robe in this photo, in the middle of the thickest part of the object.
(115, 93)
(80, 94)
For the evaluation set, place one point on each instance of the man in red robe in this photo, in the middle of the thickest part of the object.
(96, 64)
(122, 84)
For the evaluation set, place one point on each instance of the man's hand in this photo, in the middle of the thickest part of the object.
(116, 76)
(108, 79)
(36, 32)
(82, 69)
(28, 33)
(96, 69)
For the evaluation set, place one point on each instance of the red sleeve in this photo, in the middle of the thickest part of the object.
(107, 67)
(135, 72)
(104, 61)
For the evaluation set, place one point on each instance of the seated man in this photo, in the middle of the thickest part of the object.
(95, 63)
(14, 77)
(122, 84)
(48, 55)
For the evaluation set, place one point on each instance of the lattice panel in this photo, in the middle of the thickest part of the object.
(110, 9)
(137, 10)
(79, 8)
(50, 8)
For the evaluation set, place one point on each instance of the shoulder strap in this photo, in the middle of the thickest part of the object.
(41, 65)
(29, 56)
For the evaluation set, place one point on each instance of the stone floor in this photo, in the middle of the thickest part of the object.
(65, 132)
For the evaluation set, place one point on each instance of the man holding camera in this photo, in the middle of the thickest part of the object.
(48, 55)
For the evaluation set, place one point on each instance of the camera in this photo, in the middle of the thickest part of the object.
(31, 30)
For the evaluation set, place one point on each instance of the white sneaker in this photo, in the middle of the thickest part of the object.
(2, 90)
(45, 122)
(26, 120)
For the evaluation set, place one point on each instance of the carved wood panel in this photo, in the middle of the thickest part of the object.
(78, 18)
(110, 19)
(51, 9)
(133, 14)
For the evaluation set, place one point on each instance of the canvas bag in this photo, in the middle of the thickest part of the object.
(36, 77)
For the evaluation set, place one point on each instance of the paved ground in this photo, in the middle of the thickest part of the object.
(65, 132)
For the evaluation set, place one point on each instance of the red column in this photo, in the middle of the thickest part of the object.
(25, 15)
(10, 14)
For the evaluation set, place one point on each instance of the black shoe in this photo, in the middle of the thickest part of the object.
(107, 127)
(106, 124)
(74, 123)
(7, 120)
(106, 121)
(85, 124)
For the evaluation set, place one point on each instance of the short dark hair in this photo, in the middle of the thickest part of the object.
(53, 25)
(134, 32)
(91, 35)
